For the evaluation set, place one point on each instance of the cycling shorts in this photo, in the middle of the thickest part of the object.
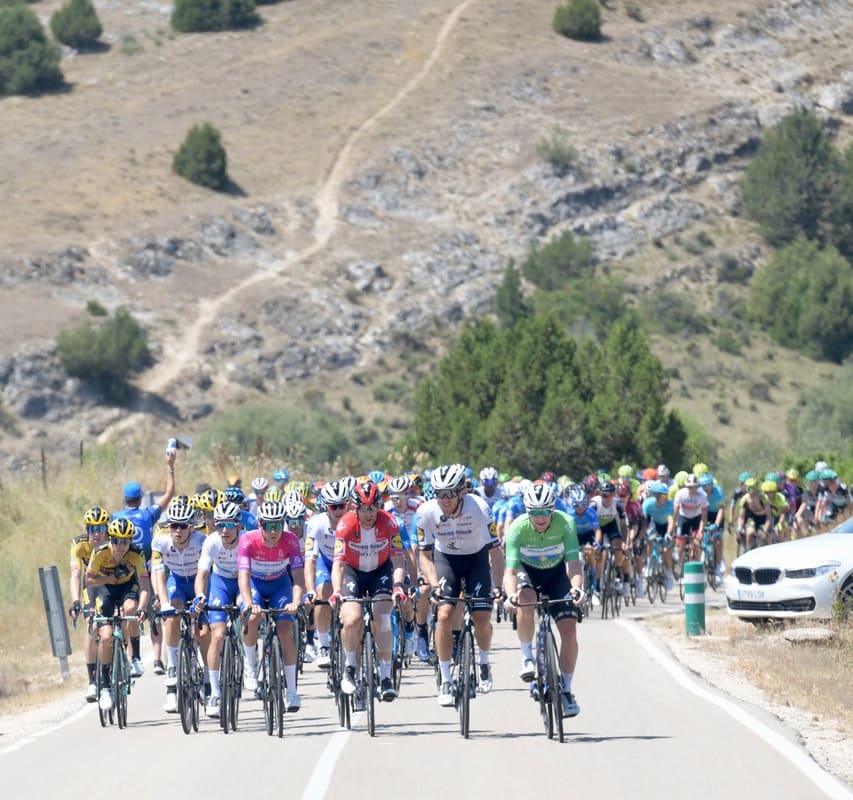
(323, 571)
(376, 583)
(277, 592)
(180, 588)
(553, 582)
(110, 599)
(687, 526)
(220, 592)
(471, 570)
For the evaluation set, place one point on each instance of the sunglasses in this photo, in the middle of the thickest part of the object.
(118, 540)
(294, 521)
(578, 506)
(273, 527)
(179, 526)
(336, 506)
(540, 512)
(96, 529)
(447, 494)
(226, 526)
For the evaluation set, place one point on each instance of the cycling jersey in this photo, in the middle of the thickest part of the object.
(268, 563)
(367, 549)
(587, 523)
(130, 567)
(215, 555)
(526, 545)
(468, 532)
(716, 498)
(496, 497)
(690, 506)
(181, 563)
(658, 514)
(607, 514)
(143, 520)
(319, 537)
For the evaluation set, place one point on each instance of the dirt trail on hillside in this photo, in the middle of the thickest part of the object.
(183, 350)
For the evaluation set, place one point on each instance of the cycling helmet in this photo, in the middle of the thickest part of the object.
(302, 487)
(812, 475)
(590, 483)
(226, 512)
(564, 481)
(577, 495)
(233, 494)
(680, 478)
(294, 508)
(449, 476)
(751, 483)
(659, 487)
(706, 479)
(207, 500)
(366, 494)
(792, 474)
(768, 486)
(401, 485)
(180, 509)
(699, 468)
(121, 528)
(429, 492)
(540, 495)
(376, 476)
(96, 516)
(270, 511)
(691, 480)
(334, 493)
(292, 497)
(274, 494)
(607, 487)
(662, 471)
(260, 484)
(625, 471)
(348, 483)
(828, 475)
(280, 476)
(744, 477)
(549, 477)
(771, 476)
(623, 489)
(489, 475)
(233, 480)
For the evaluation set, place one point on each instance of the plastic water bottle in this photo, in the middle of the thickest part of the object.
(171, 446)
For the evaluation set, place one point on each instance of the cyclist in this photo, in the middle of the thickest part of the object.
(753, 508)
(805, 518)
(489, 489)
(118, 576)
(234, 494)
(456, 536)
(270, 568)
(216, 586)
(542, 555)
(368, 562)
(319, 555)
(612, 522)
(835, 497)
(281, 477)
(716, 516)
(256, 497)
(658, 511)
(179, 551)
(204, 502)
(295, 515)
(636, 529)
(778, 507)
(588, 532)
(690, 509)
(95, 522)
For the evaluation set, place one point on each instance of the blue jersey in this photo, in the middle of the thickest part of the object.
(405, 534)
(248, 520)
(586, 523)
(143, 520)
(715, 499)
(658, 514)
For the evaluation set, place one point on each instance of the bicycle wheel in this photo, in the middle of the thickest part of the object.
(119, 684)
(542, 680)
(277, 686)
(555, 686)
(368, 681)
(226, 684)
(186, 684)
(198, 685)
(103, 716)
(265, 690)
(651, 581)
(237, 681)
(399, 650)
(467, 681)
(299, 636)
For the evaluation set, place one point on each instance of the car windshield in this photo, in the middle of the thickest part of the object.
(845, 527)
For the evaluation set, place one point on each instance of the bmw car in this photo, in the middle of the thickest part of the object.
(811, 577)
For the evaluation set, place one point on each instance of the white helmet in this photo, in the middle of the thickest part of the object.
(180, 510)
(400, 485)
(449, 476)
(226, 512)
(270, 511)
(488, 474)
(540, 495)
(294, 507)
(260, 484)
(335, 493)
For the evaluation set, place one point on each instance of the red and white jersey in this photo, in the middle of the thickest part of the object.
(690, 507)
(367, 549)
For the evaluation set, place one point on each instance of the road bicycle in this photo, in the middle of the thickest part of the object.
(655, 581)
(610, 586)
(398, 647)
(548, 682)
(709, 555)
(190, 669)
(464, 667)
(231, 670)
(271, 681)
(120, 680)
(343, 701)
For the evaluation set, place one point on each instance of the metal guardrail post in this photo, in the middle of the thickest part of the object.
(694, 598)
(55, 611)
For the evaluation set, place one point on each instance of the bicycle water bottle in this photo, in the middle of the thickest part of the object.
(171, 446)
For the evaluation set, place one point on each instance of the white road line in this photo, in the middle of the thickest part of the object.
(322, 774)
(828, 784)
(45, 731)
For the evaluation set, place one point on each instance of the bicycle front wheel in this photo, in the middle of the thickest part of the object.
(120, 678)
(226, 683)
(555, 687)
(277, 686)
(103, 716)
(368, 682)
(466, 683)
(186, 684)
(399, 649)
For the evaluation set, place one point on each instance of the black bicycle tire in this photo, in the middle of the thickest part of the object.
(237, 682)
(542, 679)
(299, 628)
(198, 685)
(555, 685)
(117, 681)
(103, 716)
(265, 692)
(466, 682)
(368, 683)
(226, 684)
(185, 685)
(277, 686)
(399, 650)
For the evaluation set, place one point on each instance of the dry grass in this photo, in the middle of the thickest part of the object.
(808, 675)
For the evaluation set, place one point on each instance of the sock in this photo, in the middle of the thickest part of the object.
(410, 626)
(456, 636)
(444, 666)
(90, 671)
(134, 646)
(349, 658)
(214, 683)
(567, 681)
(423, 631)
(105, 677)
(251, 652)
(384, 669)
(171, 656)
(324, 637)
(483, 657)
(290, 676)
(526, 650)
(309, 636)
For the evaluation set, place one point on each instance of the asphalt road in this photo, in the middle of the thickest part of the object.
(647, 729)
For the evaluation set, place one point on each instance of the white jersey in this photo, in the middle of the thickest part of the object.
(690, 507)
(607, 514)
(183, 563)
(468, 532)
(319, 537)
(223, 559)
(480, 491)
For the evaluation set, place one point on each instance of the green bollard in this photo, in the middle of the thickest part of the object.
(694, 598)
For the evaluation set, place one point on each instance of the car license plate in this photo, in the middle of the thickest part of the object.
(750, 594)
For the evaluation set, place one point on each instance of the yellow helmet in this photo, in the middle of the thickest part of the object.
(768, 486)
(700, 468)
(207, 500)
(273, 494)
(96, 516)
(121, 528)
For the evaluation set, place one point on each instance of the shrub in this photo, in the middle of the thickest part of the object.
(76, 24)
(634, 10)
(579, 19)
(106, 355)
(726, 341)
(730, 270)
(94, 308)
(556, 150)
(28, 62)
(672, 313)
(562, 258)
(201, 159)
(199, 16)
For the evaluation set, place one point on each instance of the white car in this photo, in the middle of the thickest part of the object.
(809, 577)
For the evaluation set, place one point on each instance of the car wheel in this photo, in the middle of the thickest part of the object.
(845, 601)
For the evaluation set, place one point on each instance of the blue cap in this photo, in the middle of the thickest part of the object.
(132, 490)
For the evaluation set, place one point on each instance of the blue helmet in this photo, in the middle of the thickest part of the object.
(376, 475)
(234, 494)
(429, 492)
(577, 495)
(659, 487)
(281, 475)
(706, 479)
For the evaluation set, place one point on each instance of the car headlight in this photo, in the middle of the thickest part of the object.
(812, 572)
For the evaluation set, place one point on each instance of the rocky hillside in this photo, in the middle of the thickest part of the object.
(386, 168)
